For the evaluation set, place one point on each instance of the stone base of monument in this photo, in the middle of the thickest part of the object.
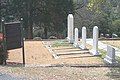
(94, 52)
(82, 47)
(68, 39)
(55, 56)
(110, 57)
(71, 41)
(76, 45)
(109, 60)
(72, 53)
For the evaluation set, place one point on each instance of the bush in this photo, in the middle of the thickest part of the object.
(2, 53)
(52, 37)
(37, 38)
(116, 27)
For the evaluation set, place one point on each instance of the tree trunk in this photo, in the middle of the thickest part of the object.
(30, 22)
(45, 32)
(30, 28)
(30, 31)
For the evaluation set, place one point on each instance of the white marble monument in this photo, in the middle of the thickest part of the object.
(70, 28)
(76, 38)
(94, 50)
(83, 45)
(110, 57)
(68, 23)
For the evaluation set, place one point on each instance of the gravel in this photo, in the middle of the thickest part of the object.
(59, 73)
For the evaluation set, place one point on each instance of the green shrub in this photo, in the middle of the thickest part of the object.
(1, 53)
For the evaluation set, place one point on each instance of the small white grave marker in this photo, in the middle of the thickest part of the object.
(76, 38)
(83, 46)
(68, 23)
(94, 51)
(70, 28)
(110, 57)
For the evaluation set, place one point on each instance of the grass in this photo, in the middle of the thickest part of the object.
(65, 43)
(103, 53)
(61, 43)
(118, 59)
(113, 43)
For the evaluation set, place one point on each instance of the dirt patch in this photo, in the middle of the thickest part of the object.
(115, 43)
(37, 53)
(62, 73)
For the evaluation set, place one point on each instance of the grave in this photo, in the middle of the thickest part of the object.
(94, 50)
(110, 57)
(114, 36)
(76, 38)
(83, 46)
(70, 28)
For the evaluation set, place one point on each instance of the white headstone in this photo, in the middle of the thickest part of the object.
(94, 50)
(83, 46)
(70, 28)
(110, 57)
(76, 38)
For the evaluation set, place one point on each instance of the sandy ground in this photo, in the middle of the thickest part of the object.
(37, 53)
(115, 43)
(59, 73)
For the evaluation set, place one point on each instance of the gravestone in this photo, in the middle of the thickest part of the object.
(114, 36)
(110, 57)
(76, 38)
(70, 28)
(107, 35)
(83, 46)
(101, 35)
(94, 50)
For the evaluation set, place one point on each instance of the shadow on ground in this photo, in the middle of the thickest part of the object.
(115, 71)
(14, 64)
